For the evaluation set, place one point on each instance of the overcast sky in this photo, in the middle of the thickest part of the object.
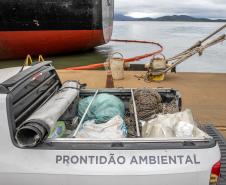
(156, 8)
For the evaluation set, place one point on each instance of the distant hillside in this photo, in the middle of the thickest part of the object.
(120, 17)
(182, 18)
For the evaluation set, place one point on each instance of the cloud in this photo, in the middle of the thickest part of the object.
(156, 8)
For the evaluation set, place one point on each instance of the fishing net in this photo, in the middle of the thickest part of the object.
(148, 103)
(171, 107)
(103, 108)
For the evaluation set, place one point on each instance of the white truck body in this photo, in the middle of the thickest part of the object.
(121, 163)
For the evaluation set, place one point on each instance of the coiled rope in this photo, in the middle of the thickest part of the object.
(148, 103)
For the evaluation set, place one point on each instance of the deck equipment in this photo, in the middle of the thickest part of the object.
(158, 67)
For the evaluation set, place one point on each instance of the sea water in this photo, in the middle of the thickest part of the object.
(174, 36)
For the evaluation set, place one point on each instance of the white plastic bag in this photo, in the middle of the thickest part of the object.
(159, 131)
(184, 129)
(113, 129)
(180, 124)
(158, 128)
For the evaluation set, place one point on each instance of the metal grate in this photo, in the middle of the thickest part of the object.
(212, 131)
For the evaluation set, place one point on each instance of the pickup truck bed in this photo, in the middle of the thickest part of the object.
(212, 131)
(69, 160)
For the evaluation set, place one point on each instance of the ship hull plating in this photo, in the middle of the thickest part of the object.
(53, 27)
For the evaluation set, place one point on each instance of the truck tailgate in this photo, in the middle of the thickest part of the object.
(115, 167)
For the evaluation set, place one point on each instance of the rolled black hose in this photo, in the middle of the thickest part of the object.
(31, 134)
(37, 127)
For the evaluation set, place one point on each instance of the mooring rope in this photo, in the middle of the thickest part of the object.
(197, 48)
(199, 43)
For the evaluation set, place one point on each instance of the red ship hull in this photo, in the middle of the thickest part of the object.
(17, 44)
(53, 27)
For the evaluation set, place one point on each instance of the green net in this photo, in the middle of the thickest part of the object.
(104, 107)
